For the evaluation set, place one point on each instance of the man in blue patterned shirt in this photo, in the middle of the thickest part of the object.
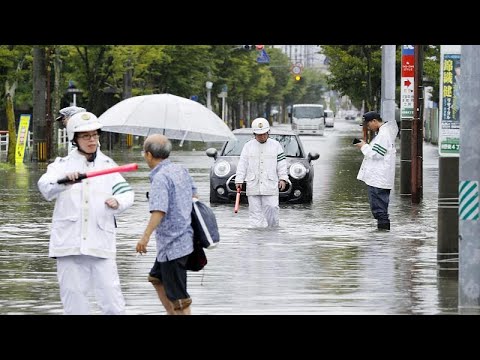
(170, 202)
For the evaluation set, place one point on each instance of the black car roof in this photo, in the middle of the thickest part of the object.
(273, 131)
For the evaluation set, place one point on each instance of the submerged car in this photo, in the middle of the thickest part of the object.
(299, 165)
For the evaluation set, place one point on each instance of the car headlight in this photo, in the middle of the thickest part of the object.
(298, 171)
(222, 168)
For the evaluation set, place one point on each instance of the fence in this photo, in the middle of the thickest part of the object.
(62, 142)
(430, 129)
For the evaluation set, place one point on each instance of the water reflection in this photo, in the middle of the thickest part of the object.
(325, 258)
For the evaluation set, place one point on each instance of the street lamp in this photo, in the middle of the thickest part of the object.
(209, 86)
(74, 91)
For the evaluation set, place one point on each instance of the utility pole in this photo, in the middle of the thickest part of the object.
(468, 214)
(448, 148)
(48, 104)
(416, 180)
(388, 83)
(407, 83)
(39, 153)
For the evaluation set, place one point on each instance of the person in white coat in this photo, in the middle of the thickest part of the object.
(65, 114)
(378, 166)
(83, 231)
(263, 166)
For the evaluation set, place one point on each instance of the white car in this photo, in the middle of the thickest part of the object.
(329, 118)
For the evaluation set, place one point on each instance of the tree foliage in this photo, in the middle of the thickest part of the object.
(355, 70)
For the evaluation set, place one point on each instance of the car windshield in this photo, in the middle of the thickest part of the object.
(289, 143)
(310, 112)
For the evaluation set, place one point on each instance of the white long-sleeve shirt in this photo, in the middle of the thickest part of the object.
(82, 224)
(378, 166)
(262, 166)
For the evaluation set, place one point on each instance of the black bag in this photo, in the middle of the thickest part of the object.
(197, 259)
(204, 224)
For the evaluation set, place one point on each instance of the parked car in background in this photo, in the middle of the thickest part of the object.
(299, 164)
(329, 118)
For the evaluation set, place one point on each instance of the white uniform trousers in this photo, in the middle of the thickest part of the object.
(79, 274)
(263, 210)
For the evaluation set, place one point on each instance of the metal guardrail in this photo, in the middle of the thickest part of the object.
(62, 140)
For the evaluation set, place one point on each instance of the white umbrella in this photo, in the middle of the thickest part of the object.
(174, 116)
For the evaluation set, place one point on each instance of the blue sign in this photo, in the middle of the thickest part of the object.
(194, 97)
(263, 58)
(408, 50)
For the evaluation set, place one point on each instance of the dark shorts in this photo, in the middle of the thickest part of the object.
(173, 276)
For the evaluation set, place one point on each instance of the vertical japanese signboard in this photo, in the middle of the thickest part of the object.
(22, 138)
(449, 122)
(407, 81)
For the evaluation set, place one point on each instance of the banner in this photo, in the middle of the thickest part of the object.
(22, 137)
(449, 119)
(407, 82)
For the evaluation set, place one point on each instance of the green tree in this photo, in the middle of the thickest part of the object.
(431, 69)
(356, 72)
(15, 62)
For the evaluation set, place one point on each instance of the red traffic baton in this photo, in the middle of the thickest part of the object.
(237, 201)
(123, 168)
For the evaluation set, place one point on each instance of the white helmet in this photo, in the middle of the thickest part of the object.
(260, 126)
(83, 121)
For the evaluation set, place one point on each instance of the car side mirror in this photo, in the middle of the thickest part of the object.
(313, 156)
(212, 152)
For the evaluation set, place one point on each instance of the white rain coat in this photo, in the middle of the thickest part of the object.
(262, 166)
(82, 224)
(378, 166)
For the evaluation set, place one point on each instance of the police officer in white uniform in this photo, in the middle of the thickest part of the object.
(83, 231)
(378, 165)
(263, 166)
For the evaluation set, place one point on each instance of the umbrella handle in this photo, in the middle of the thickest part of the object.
(237, 201)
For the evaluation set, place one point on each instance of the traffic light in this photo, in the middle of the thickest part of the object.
(253, 47)
(298, 78)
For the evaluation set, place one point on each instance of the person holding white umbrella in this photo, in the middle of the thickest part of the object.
(83, 231)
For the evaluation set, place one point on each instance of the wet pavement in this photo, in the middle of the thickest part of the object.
(325, 258)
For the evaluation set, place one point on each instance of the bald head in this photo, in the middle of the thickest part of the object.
(158, 145)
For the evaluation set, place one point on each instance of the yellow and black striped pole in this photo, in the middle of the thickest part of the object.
(129, 140)
(42, 151)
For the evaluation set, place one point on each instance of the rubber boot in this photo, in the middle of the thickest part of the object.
(383, 226)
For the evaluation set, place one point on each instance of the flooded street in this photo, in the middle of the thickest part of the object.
(325, 258)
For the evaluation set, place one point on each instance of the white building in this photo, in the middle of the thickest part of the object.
(308, 55)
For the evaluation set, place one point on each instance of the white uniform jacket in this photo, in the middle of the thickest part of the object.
(82, 223)
(378, 166)
(262, 166)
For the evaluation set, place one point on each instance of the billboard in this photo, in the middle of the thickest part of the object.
(449, 118)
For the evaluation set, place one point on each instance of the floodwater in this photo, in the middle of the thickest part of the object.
(325, 258)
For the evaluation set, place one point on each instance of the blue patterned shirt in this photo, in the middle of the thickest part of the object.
(171, 192)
